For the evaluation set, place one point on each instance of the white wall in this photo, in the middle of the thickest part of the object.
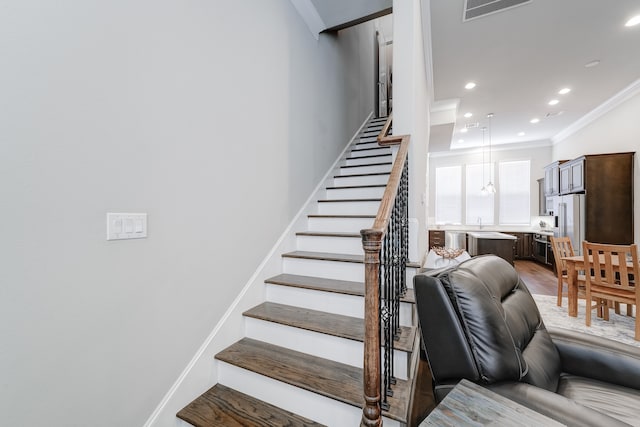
(540, 156)
(411, 110)
(614, 132)
(215, 118)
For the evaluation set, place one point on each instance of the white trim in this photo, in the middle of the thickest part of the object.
(310, 16)
(630, 91)
(274, 252)
(425, 9)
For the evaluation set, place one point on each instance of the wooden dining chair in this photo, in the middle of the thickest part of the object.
(611, 274)
(562, 247)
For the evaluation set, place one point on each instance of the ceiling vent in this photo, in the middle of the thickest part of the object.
(472, 125)
(477, 8)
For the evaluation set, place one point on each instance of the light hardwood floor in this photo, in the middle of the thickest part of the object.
(538, 278)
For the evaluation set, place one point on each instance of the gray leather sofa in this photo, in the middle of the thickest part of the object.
(479, 321)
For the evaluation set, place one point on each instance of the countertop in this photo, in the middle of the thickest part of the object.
(544, 231)
(494, 235)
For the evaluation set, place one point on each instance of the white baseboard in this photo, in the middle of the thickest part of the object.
(201, 373)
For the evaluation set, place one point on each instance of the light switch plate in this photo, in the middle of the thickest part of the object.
(121, 226)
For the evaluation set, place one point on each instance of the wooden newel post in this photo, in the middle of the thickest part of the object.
(372, 243)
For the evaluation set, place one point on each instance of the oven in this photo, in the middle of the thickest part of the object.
(541, 248)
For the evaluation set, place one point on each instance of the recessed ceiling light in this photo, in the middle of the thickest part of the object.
(470, 85)
(553, 102)
(464, 130)
(633, 21)
(592, 63)
(564, 91)
(460, 141)
(534, 120)
(520, 133)
(467, 115)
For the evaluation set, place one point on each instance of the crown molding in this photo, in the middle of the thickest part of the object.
(629, 92)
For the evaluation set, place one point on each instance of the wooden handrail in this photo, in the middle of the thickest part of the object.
(372, 239)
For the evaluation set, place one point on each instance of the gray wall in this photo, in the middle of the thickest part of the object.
(217, 118)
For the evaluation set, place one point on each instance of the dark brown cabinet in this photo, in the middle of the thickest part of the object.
(606, 180)
(523, 245)
(608, 188)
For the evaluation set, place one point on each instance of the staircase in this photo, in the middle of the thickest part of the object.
(302, 355)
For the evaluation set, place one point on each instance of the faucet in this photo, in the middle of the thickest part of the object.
(480, 222)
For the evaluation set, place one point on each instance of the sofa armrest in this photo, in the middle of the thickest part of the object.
(555, 406)
(598, 358)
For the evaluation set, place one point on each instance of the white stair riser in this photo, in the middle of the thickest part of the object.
(411, 272)
(355, 193)
(366, 160)
(347, 225)
(365, 169)
(328, 269)
(360, 180)
(330, 347)
(381, 150)
(365, 144)
(368, 139)
(330, 302)
(348, 208)
(305, 403)
(339, 245)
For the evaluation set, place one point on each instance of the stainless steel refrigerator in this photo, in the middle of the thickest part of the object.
(569, 211)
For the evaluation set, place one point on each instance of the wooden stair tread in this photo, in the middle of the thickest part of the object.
(348, 200)
(369, 149)
(362, 174)
(328, 234)
(329, 285)
(341, 216)
(325, 256)
(356, 186)
(337, 325)
(224, 406)
(368, 164)
(315, 374)
(368, 157)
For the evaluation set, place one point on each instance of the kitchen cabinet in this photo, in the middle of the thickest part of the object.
(542, 198)
(523, 246)
(552, 178)
(607, 183)
(572, 176)
(491, 242)
(436, 238)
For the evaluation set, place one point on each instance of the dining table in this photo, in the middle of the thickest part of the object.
(574, 265)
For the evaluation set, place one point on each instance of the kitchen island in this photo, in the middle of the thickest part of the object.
(491, 242)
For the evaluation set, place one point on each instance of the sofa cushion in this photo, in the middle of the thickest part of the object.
(616, 401)
(503, 327)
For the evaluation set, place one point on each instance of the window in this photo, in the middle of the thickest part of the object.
(449, 195)
(515, 192)
(479, 205)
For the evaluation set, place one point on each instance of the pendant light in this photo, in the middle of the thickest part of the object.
(490, 188)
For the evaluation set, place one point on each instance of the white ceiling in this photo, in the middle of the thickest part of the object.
(521, 57)
(335, 13)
